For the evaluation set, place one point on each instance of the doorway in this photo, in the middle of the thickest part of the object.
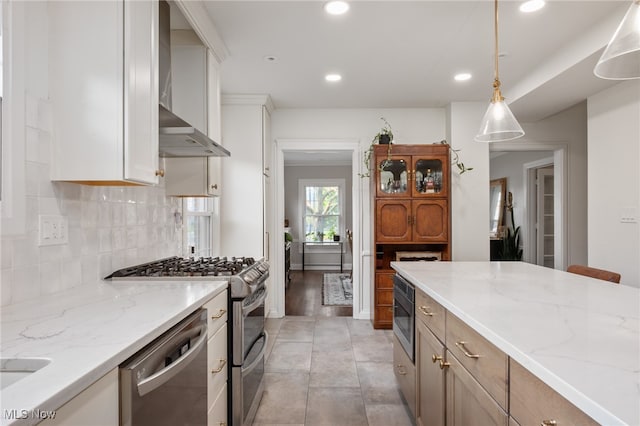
(312, 157)
(543, 235)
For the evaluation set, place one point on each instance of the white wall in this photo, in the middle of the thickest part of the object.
(469, 191)
(109, 227)
(292, 210)
(614, 180)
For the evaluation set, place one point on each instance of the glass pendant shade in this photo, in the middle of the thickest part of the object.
(621, 58)
(498, 123)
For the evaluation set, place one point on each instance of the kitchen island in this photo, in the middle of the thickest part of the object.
(86, 332)
(579, 335)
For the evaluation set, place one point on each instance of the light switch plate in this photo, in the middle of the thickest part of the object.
(52, 230)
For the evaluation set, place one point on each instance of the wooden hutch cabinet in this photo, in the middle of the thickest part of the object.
(412, 213)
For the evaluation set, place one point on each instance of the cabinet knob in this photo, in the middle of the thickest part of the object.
(160, 173)
(214, 186)
(444, 365)
(435, 358)
(548, 423)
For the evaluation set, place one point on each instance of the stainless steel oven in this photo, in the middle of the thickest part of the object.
(249, 344)
(404, 313)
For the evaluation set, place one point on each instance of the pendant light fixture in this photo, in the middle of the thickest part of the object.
(498, 123)
(621, 58)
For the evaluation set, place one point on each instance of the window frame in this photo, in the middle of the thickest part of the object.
(302, 185)
(213, 213)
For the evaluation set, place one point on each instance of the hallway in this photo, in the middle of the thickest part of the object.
(303, 296)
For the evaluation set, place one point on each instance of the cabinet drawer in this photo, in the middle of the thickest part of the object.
(431, 313)
(405, 373)
(384, 281)
(217, 414)
(533, 401)
(485, 362)
(384, 297)
(216, 312)
(217, 364)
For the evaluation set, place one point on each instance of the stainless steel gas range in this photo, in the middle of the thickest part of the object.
(247, 338)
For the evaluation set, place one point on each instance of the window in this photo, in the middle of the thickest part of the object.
(322, 208)
(200, 219)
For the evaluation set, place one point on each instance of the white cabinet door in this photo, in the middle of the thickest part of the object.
(103, 64)
(141, 65)
(97, 405)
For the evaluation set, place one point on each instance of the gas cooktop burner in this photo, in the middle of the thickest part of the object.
(187, 267)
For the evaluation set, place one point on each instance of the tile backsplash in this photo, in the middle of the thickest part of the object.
(109, 227)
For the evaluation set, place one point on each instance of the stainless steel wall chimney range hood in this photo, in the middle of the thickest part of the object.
(177, 137)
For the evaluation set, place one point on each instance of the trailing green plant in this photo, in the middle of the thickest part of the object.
(510, 247)
(456, 159)
(385, 132)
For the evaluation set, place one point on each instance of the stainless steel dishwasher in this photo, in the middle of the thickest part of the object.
(166, 382)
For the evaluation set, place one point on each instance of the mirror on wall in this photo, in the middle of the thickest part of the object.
(497, 195)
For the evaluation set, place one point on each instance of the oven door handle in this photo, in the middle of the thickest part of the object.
(247, 309)
(161, 377)
(249, 368)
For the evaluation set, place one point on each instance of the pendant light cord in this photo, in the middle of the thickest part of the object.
(497, 95)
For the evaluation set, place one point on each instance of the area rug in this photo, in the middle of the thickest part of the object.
(337, 290)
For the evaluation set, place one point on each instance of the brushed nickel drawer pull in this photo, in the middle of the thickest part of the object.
(461, 344)
(548, 423)
(435, 358)
(223, 362)
(221, 312)
(424, 310)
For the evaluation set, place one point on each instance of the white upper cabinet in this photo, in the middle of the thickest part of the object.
(195, 98)
(104, 92)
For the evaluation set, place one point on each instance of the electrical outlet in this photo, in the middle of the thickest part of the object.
(52, 230)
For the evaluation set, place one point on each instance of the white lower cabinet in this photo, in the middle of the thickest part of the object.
(97, 405)
(217, 415)
(217, 360)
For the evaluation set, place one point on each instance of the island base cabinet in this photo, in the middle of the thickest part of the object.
(532, 402)
(97, 405)
(430, 404)
(467, 401)
(405, 373)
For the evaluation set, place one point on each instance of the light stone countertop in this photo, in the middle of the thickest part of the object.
(86, 332)
(579, 335)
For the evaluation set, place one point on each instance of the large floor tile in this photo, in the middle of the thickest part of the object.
(335, 339)
(284, 400)
(289, 356)
(388, 415)
(335, 407)
(296, 330)
(333, 369)
(376, 348)
(378, 383)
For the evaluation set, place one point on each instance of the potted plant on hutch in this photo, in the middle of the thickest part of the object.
(383, 137)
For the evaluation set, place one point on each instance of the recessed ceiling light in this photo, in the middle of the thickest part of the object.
(337, 7)
(532, 6)
(463, 76)
(333, 77)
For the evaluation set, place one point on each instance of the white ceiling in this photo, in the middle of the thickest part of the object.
(395, 54)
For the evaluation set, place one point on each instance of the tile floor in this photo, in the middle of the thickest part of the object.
(330, 371)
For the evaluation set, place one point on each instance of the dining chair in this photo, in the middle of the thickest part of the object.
(600, 274)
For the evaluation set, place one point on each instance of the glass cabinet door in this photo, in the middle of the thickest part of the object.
(429, 176)
(393, 176)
